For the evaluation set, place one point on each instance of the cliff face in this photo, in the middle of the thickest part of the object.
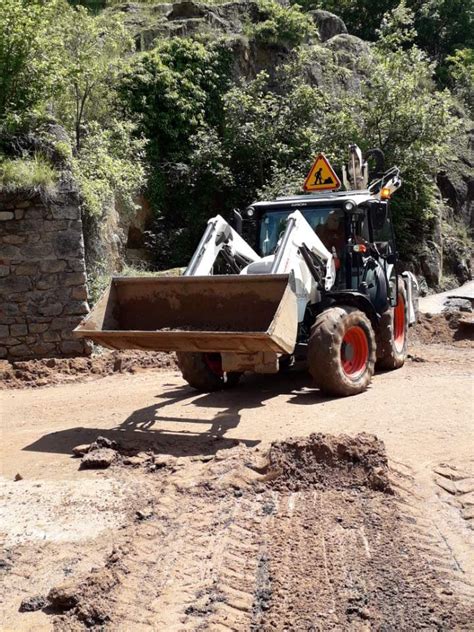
(336, 62)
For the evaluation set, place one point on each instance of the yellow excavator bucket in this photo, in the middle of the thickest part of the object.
(233, 313)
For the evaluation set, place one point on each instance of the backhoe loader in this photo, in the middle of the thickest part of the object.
(315, 281)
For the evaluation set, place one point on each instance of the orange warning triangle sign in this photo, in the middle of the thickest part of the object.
(321, 176)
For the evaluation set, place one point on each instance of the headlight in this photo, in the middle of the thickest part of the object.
(250, 212)
(349, 206)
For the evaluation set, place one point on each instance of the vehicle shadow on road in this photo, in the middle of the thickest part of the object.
(148, 428)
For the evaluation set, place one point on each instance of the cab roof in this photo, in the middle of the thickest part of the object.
(358, 197)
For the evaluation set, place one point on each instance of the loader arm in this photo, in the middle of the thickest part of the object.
(298, 233)
(218, 236)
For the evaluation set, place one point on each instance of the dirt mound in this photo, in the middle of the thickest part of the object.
(324, 461)
(47, 371)
(442, 328)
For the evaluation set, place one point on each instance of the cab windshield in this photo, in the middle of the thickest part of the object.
(326, 221)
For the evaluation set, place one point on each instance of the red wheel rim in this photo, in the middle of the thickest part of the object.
(399, 324)
(354, 352)
(214, 363)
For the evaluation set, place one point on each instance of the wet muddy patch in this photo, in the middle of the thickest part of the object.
(324, 461)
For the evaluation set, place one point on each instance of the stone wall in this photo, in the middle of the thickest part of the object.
(43, 292)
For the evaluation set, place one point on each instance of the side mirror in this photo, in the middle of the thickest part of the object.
(378, 215)
(236, 221)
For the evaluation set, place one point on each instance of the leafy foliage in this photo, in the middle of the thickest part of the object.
(65, 60)
(30, 60)
(110, 166)
(281, 25)
(461, 71)
(412, 123)
(174, 90)
(175, 94)
(442, 26)
(92, 47)
(362, 17)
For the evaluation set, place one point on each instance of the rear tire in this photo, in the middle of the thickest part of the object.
(203, 371)
(392, 333)
(341, 351)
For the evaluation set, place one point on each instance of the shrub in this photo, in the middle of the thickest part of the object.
(281, 25)
(174, 93)
(461, 71)
(110, 165)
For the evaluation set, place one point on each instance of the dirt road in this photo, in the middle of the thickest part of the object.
(215, 544)
(435, 303)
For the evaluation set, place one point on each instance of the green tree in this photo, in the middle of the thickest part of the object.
(93, 49)
(175, 90)
(443, 26)
(264, 130)
(402, 113)
(174, 93)
(397, 28)
(30, 59)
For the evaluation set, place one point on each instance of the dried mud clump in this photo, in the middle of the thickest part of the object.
(87, 600)
(324, 461)
(104, 452)
(32, 604)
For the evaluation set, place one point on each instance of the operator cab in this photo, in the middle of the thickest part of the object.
(352, 225)
(326, 221)
(329, 215)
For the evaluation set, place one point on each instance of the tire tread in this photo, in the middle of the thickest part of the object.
(325, 347)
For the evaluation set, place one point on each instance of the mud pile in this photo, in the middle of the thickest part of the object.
(87, 600)
(47, 371)
(324, 461)
(445, 328)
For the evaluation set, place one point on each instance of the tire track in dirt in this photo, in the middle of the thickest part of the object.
(192, 564)
(310, 543)
(458, 480)
(441, 519)
(170, 563)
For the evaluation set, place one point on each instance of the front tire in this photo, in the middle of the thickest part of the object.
(203, 371)
(392, 333)
(341, 351)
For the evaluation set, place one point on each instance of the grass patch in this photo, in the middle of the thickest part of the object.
(28, 174)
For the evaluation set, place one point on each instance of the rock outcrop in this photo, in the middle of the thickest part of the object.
(328, 24)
